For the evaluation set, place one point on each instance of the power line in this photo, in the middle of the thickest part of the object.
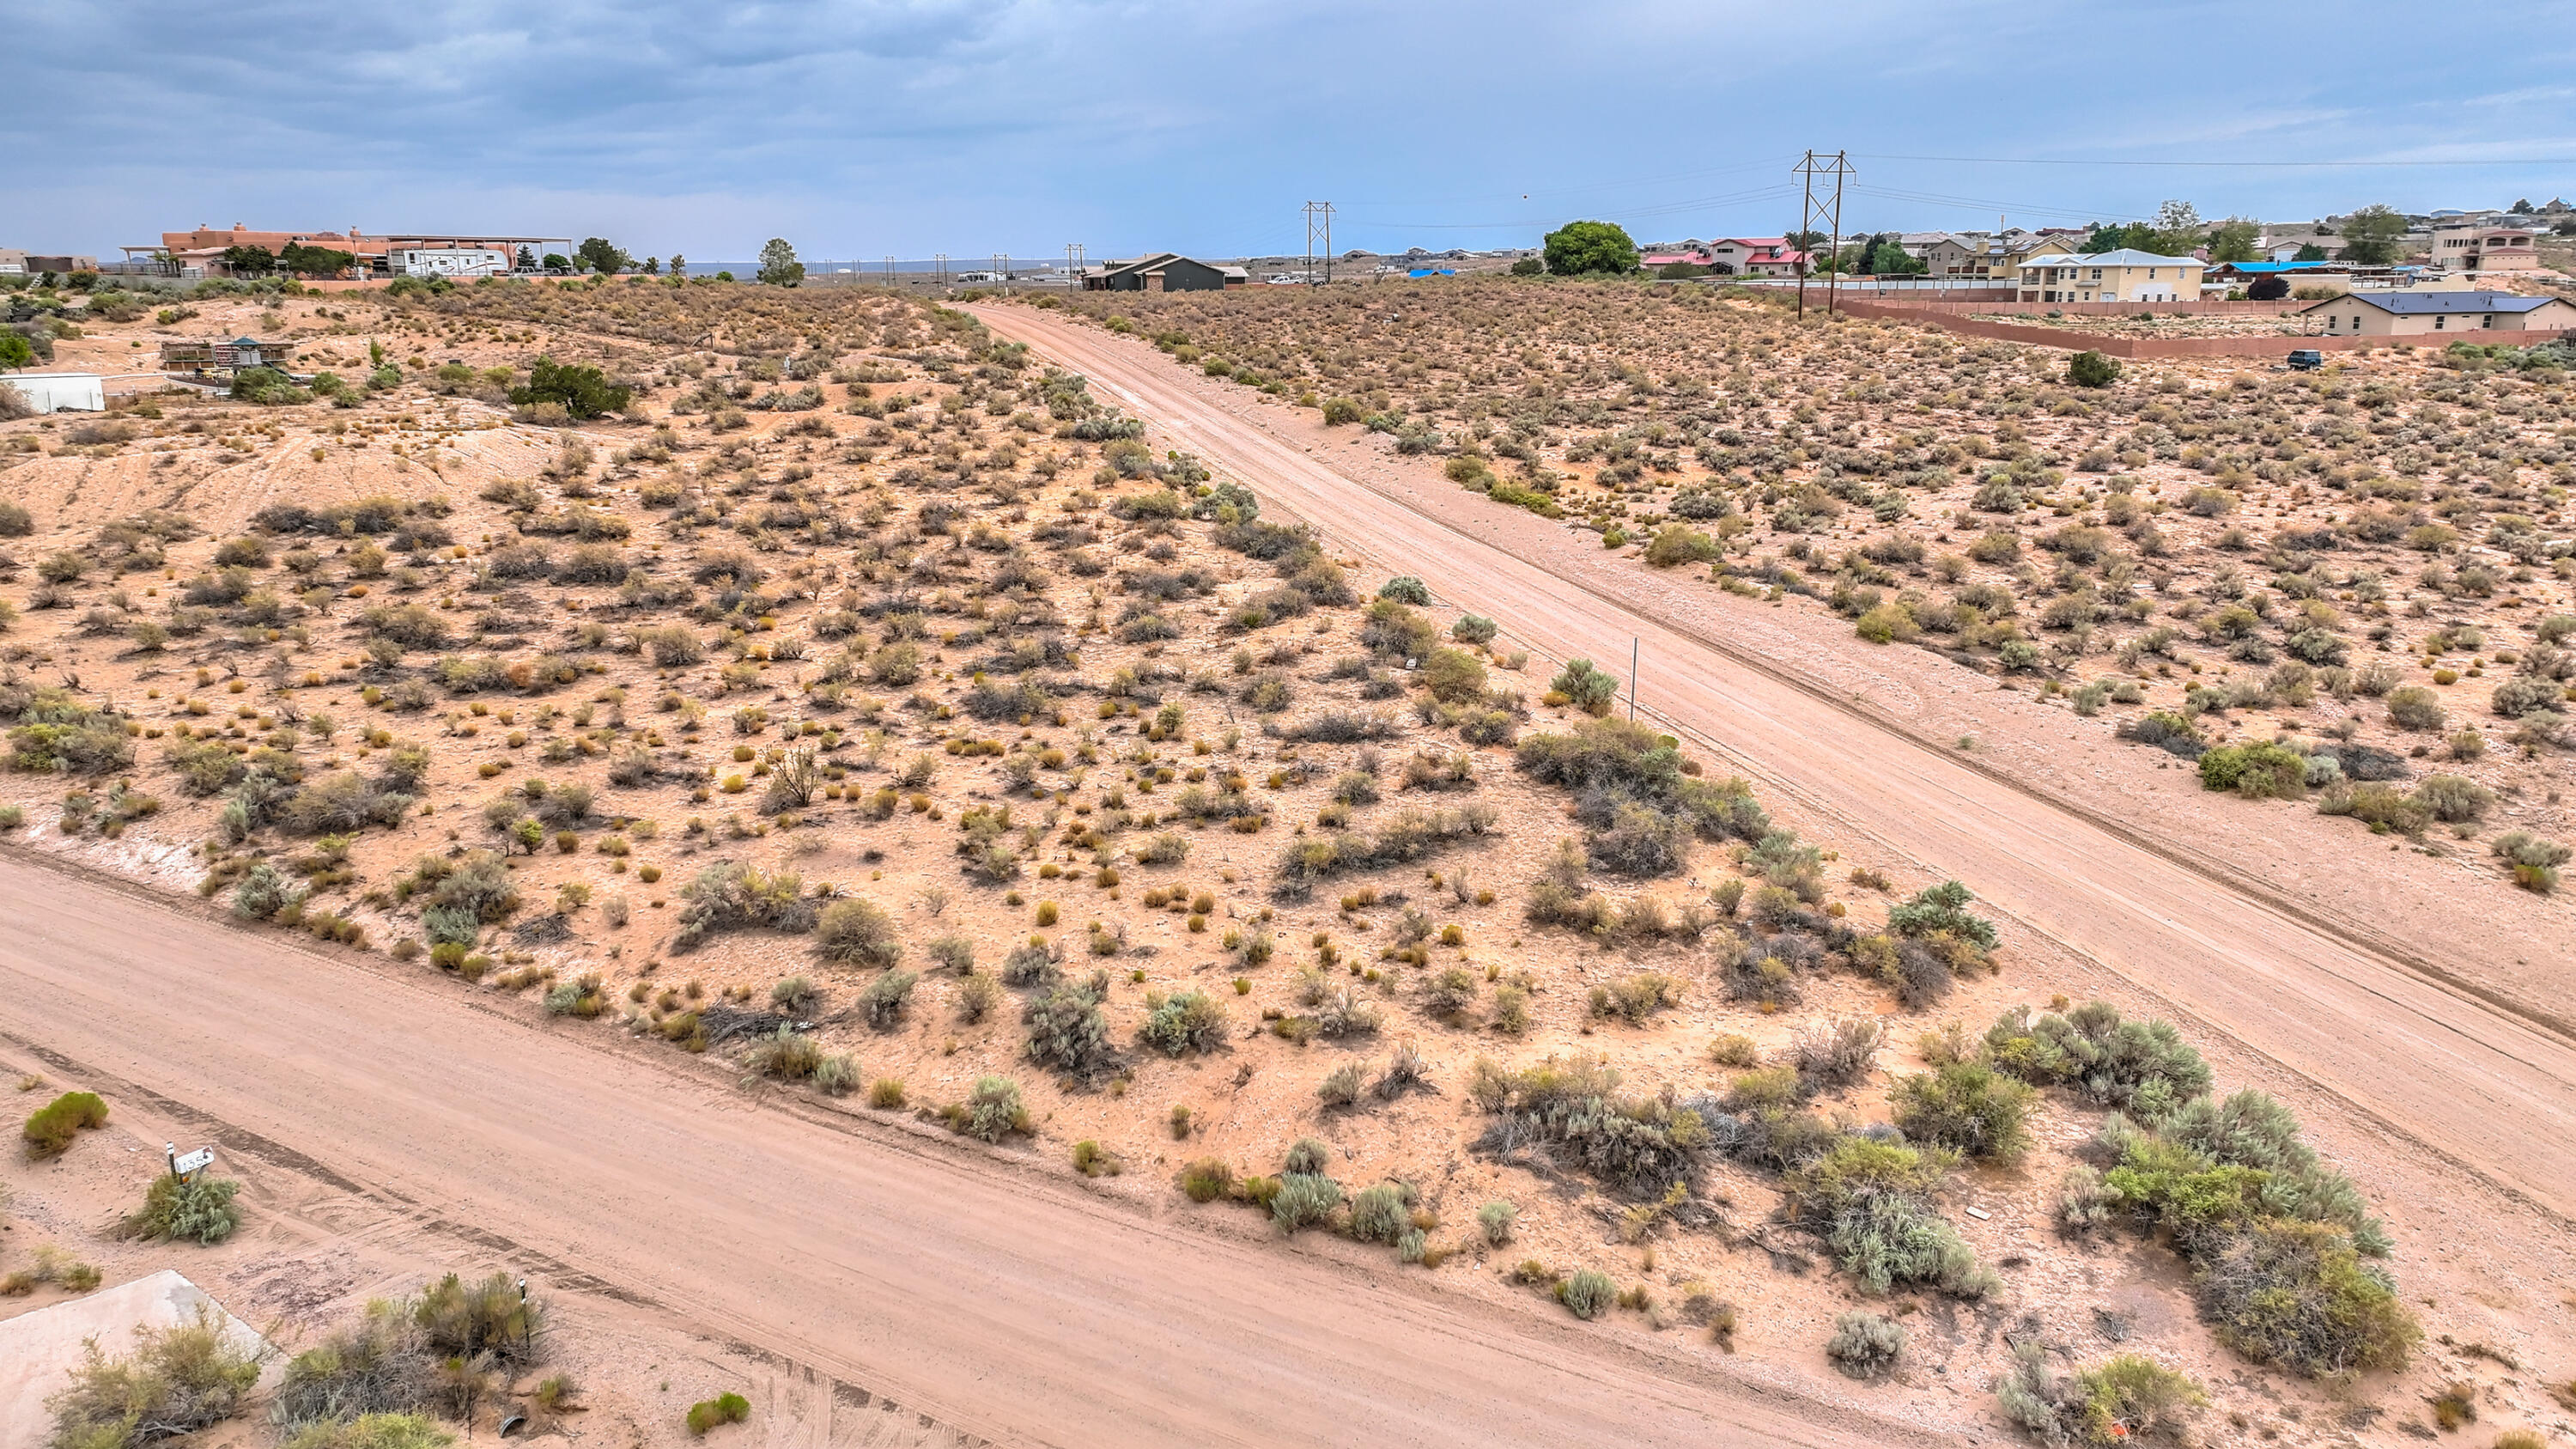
(2086, 161)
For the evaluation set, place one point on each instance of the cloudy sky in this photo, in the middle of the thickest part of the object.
(857, 128)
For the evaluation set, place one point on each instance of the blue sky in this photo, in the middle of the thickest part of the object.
(913, 126)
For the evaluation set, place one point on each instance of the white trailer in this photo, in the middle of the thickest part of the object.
(60, 392)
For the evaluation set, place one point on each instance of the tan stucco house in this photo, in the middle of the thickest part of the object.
(2408, 314)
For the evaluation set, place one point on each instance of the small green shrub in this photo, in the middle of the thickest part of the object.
(50, 1129)
(180, 1379)
(1865, 1344)
(1207, 1179)
(1588, 1294)
(724, 1408)
(201, 1211)
(2092, 369)
(1968, 1107)
(1495, 1221)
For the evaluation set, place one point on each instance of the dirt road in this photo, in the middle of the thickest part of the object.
(988, 1295)
(2485, 1081)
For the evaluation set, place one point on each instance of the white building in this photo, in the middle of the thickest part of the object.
(60, 392)
(448, 261)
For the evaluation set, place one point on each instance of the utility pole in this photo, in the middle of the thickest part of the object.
(889, 270)
(939, 266)
(1829, 211)
(1319, 223)
(1001, 266)
(1074, 261)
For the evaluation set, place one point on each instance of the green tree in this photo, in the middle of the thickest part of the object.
(2092, 369)
(315, 261)
(2310, 252)
(1579, 247)
(558, 262)
(2372, 234)
(2178, 228)
(585, 392)
(778, 264)
(527, 260)
(602, 255)
(249, 261)
(2233, 240)
(15, 350)
(1528, 267)
(652, 266)
(679, 265)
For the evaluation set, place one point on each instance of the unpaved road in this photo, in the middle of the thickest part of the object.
(2489, 1086)
(990, 1296)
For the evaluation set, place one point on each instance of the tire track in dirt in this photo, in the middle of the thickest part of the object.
(2485, 1083)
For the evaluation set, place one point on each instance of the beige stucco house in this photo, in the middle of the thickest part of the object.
(2414, 313)
(2483, 249)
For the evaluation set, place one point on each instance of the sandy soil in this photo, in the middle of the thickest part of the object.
(2230, 934)
(860, 1263)
(2483, 1074)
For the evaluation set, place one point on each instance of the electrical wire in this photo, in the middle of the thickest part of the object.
(2091, 161)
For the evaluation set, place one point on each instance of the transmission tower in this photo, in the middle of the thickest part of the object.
(939, 264)
(1074, 261)
(1319, 223)
(1828, 210)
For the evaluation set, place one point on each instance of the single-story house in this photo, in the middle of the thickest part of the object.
(2125, 275)
(2408, 314)
(1164, 272)
(59, 392)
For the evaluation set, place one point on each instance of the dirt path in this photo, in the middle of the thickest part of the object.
(2483, 1077)
(973, 1289)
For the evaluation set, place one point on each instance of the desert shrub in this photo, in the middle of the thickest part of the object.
(582, 391)
(2124, 1399)
(857, 933)
(379, 1365)
(1380, 1214)
(1405, 589)
(582, 997)
(2526, 694)
(724, 1408)
(1341, 1086)
(1573, 1106)
(1871, 1201)
(201, 1210)
(2092, 1049)
(1677, 543)
(883, 1002)
(1207, 1179)
(2454, 799)
(2415, 708)
(1586, 686)
(733, 896)
(991, 1111)
(2298, 1293)
(1303, 1199)
(49, 1129)
(1494, 1220)
(371, 1431)
(2261, 771)
(1068, 1034)
(1587, 1294)
(1193, 1021)
(1968, 1107)
(1865, 1344)
(1636, 997)
(1832, 1055)
(180, 1379)
(786, 1055)
(2092, 369)
(2533, 861)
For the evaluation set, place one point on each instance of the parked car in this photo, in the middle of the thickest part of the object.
(2307, 359)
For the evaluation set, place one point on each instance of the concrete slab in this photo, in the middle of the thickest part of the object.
(39, 1350)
